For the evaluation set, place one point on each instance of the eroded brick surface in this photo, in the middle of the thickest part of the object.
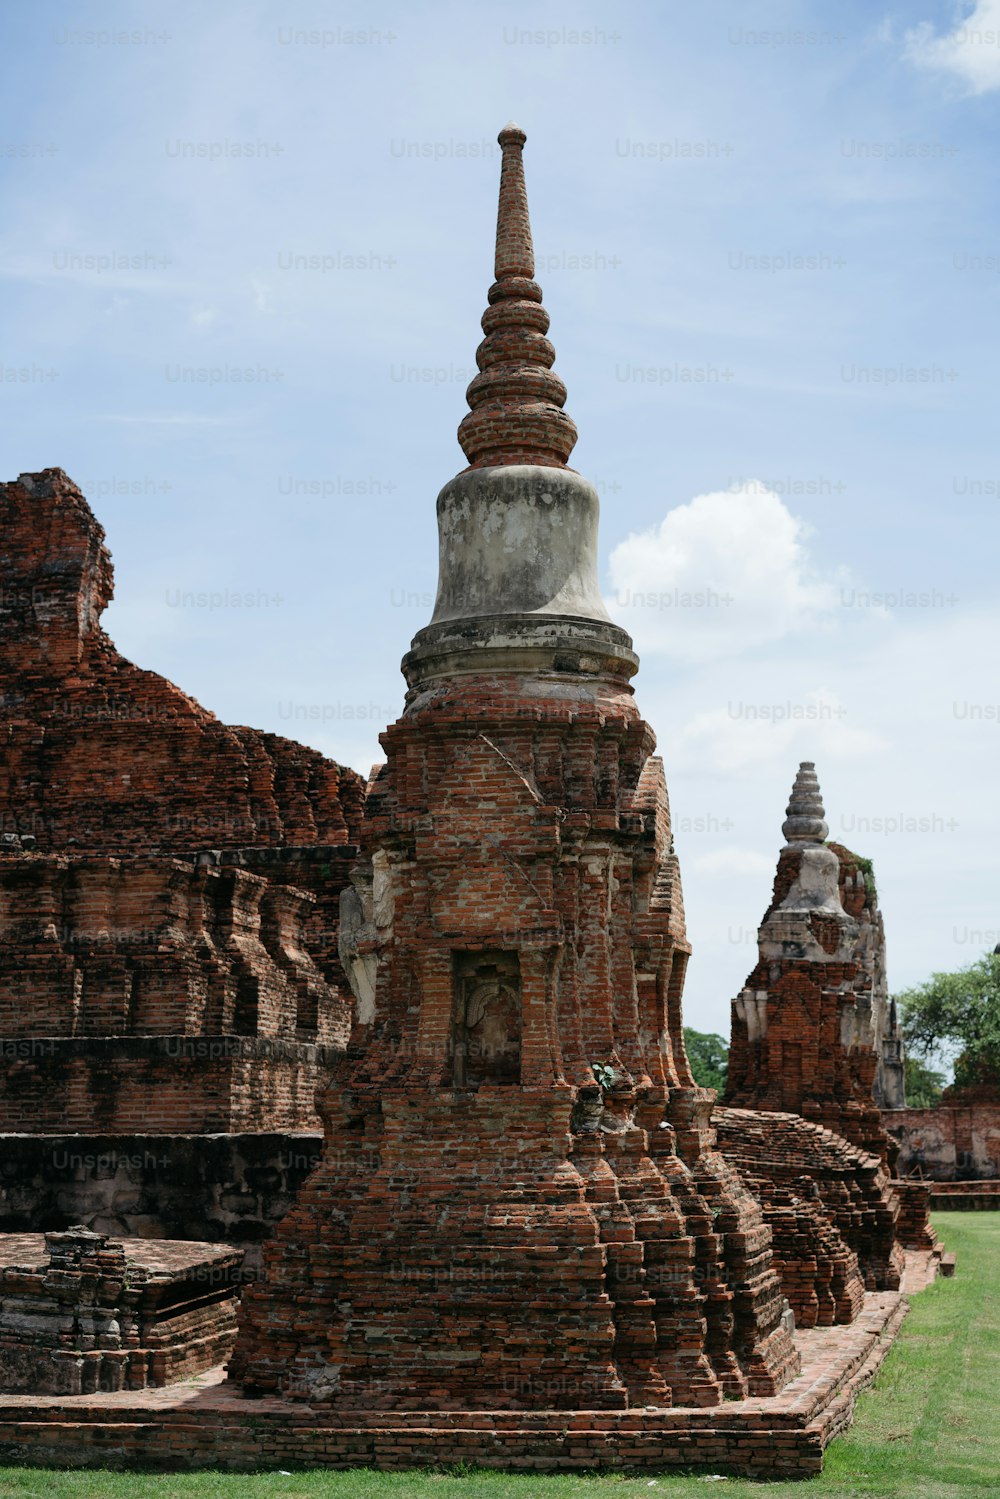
(811, 1029)
(80, 1312)
(102, 756)
(169, 886)
(954, 1142)
(486, 1205)
(225, 1188)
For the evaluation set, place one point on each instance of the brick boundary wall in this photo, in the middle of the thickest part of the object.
(205, 1425)
(953, 1142)
(966, 1197)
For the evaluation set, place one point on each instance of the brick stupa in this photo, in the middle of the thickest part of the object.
(810, 1022)
(814, 1035)
(520, 1204)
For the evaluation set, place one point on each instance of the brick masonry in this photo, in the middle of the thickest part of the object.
(80, 1312)
(607, 1207)
(169, 886)
(206, 1424)
(953, 1142)
(101, 756)
(809, 1023)
(827, 1206)
(231, 1189)
(812, 1027)
(959, 1197)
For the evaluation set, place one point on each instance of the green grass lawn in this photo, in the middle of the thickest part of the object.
(929, 1428)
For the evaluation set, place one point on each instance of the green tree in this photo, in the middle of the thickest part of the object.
(709, 1058)
(923, 1085)
(957, 1014)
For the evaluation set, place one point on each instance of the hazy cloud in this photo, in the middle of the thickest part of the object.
(970, 51)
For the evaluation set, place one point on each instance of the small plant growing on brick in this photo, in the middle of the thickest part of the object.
(605, 1074)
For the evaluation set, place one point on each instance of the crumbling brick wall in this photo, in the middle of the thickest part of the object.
(162, 876)
(80, 1312)
(952, 1142)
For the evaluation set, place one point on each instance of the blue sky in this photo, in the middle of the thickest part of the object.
(797, 461)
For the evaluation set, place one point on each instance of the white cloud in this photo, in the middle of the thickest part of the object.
(771, 730)
(970, 51)
(719, 576)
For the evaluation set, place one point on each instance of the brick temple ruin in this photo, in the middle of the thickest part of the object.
(171, 993)
(815, 1040)
(171, 883)
(529, 1240)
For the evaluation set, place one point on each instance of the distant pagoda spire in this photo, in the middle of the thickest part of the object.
(516, 401)
(805, 820)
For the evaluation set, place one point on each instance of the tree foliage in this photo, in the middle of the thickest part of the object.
(923, 1085)
(709, 1058)
(957, 1013)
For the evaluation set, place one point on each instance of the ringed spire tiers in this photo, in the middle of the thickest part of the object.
(805, 819)
(517, 573)
(516, 400)
(815, 883)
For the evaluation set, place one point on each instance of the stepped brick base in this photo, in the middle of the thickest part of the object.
(205, 1424)
(913, 1226)
(487, 1201)
(819, 1272)
(81, 1313)
(783, 1153)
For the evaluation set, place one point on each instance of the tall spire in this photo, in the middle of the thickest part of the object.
(805, 819)
(516, 401)
(517, 529)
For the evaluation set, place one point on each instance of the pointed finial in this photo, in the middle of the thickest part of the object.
(805, 819)
(515, 255)
(516, 401)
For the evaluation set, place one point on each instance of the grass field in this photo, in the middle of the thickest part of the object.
(928, 1429)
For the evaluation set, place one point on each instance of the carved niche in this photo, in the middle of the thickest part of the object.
(486, 1019)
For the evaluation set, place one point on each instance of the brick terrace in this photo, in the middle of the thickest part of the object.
(205, 1423)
